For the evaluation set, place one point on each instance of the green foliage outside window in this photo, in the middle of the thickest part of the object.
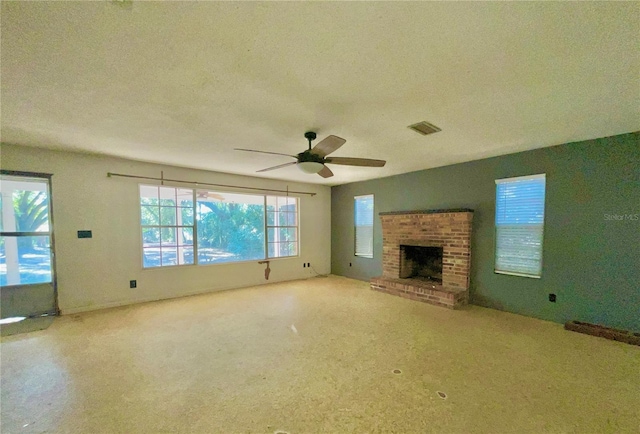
(230, 228)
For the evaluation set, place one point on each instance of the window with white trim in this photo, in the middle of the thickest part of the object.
(166, 216)
(282, 226)
(183, 226)
(363, 219)
(520, 225)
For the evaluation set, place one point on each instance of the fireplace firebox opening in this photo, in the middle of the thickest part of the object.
(419, 262)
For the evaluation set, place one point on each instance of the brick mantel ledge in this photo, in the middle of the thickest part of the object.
(427, 211)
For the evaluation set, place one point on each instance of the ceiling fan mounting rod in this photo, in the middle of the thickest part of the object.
(310, 136)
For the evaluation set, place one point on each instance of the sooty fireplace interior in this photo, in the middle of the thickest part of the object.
(418, 262)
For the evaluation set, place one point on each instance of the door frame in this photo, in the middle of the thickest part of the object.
(54, 274)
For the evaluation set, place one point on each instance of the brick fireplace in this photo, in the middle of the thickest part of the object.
(426, 256)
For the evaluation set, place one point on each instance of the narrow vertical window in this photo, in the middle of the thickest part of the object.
(167, 219)
(363, 217)
(520, 225)
(282, 226)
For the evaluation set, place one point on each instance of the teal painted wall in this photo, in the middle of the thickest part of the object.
(590, 260)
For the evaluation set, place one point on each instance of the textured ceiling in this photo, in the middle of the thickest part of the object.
(184, 83)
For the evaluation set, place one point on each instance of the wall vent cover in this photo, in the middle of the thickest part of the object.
(424, 128)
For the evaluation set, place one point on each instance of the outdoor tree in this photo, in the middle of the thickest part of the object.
(31, 210)
(231, 227)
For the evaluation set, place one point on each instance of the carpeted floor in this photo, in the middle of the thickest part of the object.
(319, 355)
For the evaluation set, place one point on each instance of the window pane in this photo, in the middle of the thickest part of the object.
(272, 250)
(271, 218)
(185, 255)
(167, 216)
(283, 249)
(187, 236)
(279, 234)
(148, 195)
(169, 255)
(27, 201)
(230, 227)
(167, 196)
(283, 218)
(186, 216)
(287, 234)
(150, 236)
(185, 197)
(25, 260)
(150, 215)
(519, 249)
(279, 250)
(364, 210)
(364, 240)
(151, 257)
(168, 236)
(293, 249)
(520, 201)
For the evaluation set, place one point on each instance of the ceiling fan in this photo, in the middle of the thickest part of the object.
(313, 160)
(209, 195)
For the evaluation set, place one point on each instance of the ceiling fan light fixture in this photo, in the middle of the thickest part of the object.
(310, 166)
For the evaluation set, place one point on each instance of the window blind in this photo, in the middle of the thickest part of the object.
(363, 216)
(519, 225)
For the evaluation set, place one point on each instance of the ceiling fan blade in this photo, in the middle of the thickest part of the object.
(278, 166)
(265, 152)
(204, 195)
(347, 161)
(327, 145)
(325, 172)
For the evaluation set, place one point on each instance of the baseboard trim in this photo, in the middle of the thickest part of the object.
(91, 308)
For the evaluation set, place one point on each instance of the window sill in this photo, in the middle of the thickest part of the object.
(509, 273)
(248, 261)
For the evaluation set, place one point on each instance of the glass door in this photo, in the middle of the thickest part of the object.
(27, 281)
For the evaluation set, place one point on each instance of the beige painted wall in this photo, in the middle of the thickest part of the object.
(94, 273)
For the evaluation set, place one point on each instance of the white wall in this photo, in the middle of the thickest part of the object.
(94, 273)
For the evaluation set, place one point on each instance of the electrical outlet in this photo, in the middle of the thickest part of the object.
(552, 298)
(133, 284)
(308, 264)
(304, 265)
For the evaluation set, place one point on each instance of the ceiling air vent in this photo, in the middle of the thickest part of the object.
(424, 128)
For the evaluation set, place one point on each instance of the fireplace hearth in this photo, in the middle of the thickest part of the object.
(426, 256)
